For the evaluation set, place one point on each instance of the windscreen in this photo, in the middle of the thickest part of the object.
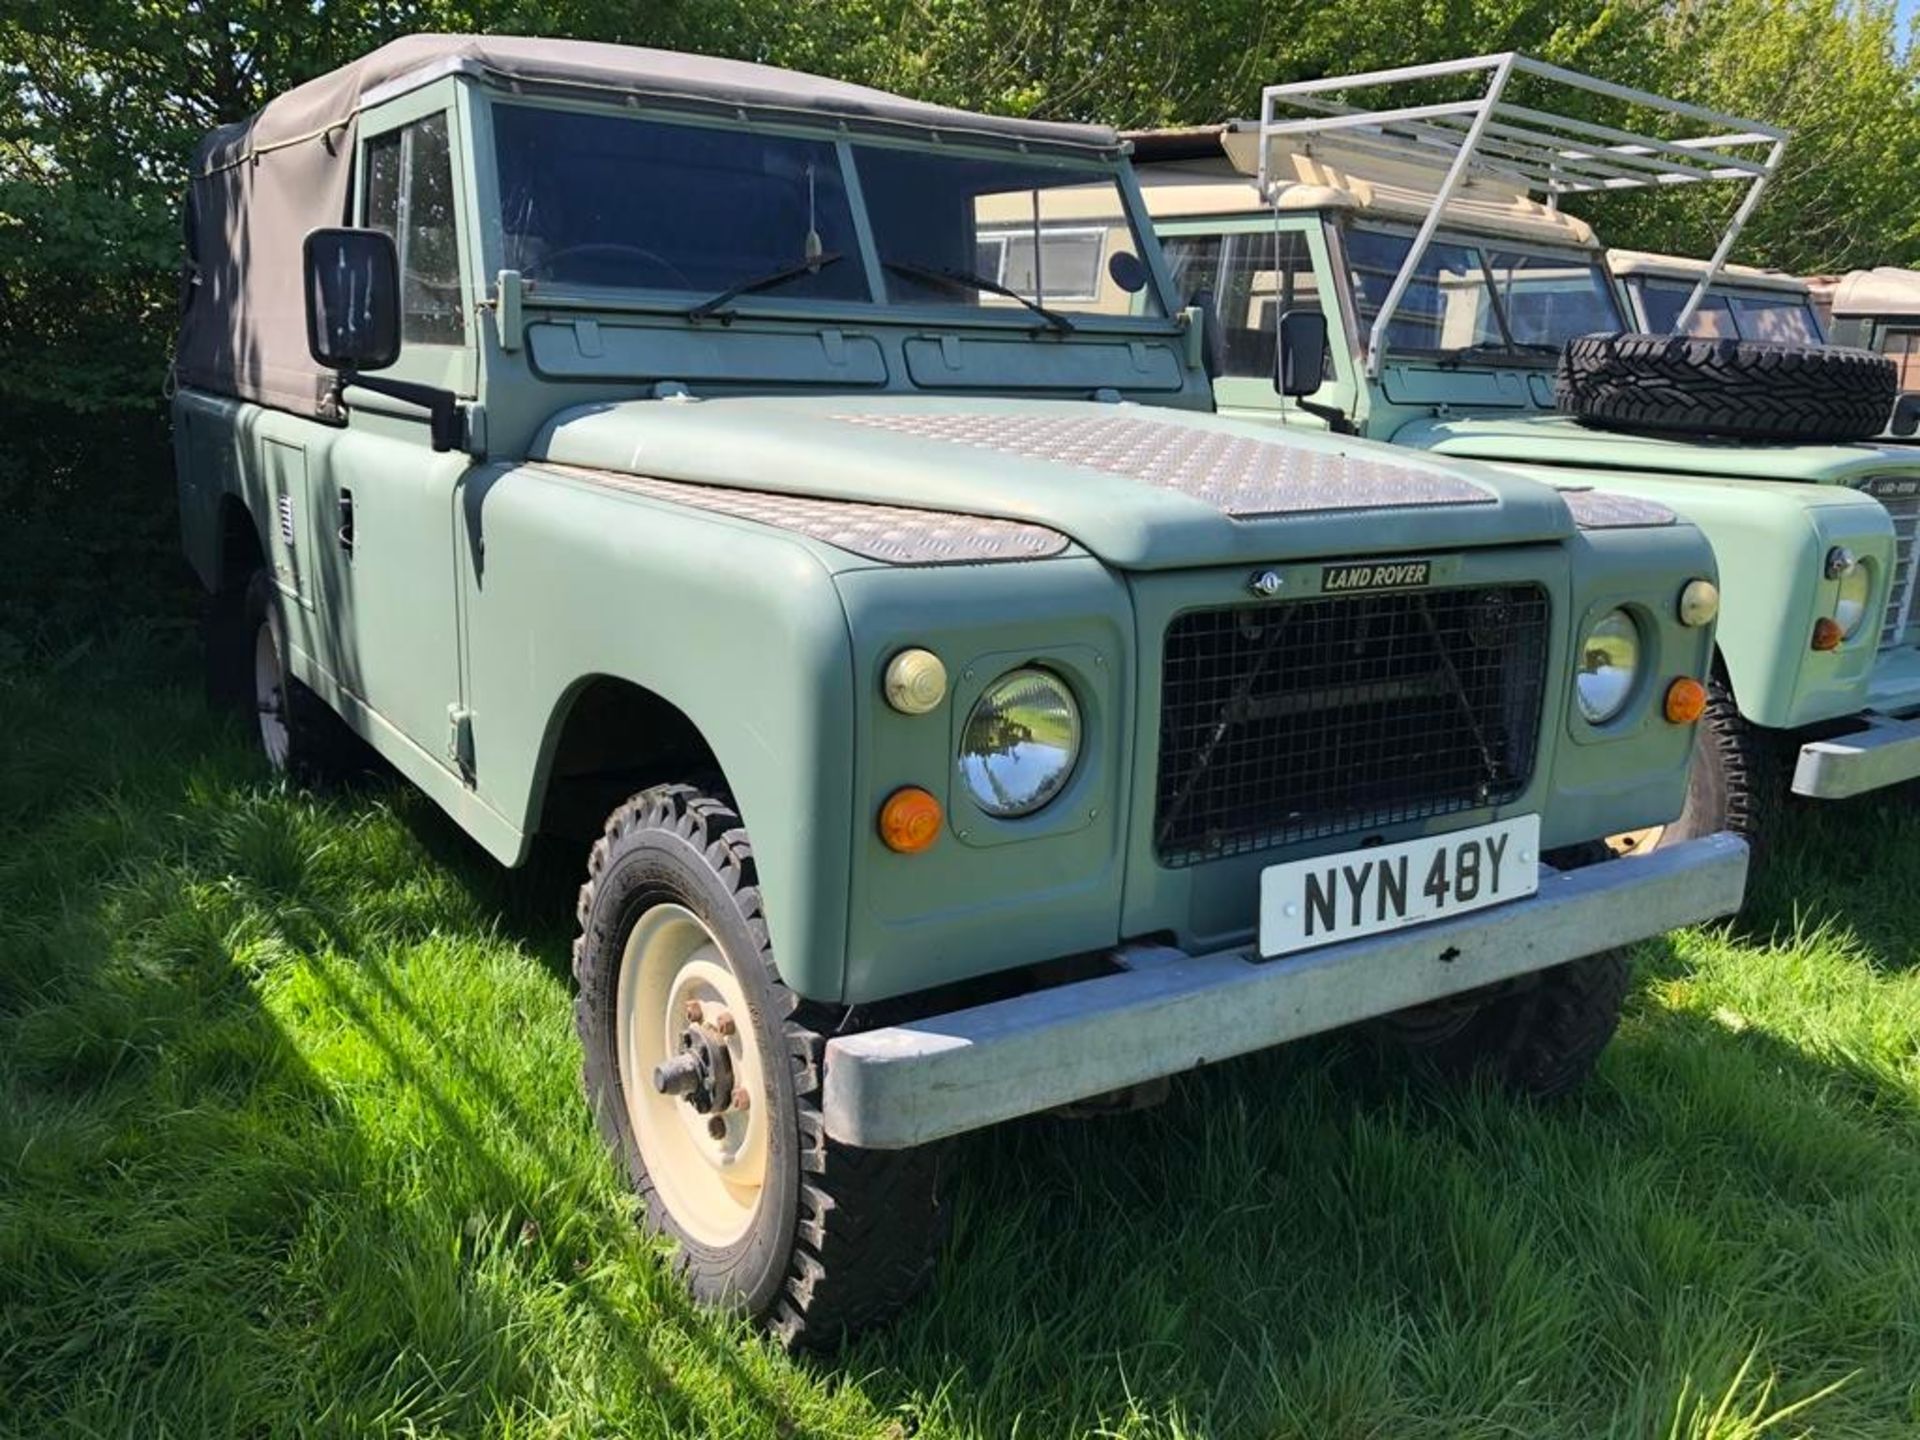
(607, 200)
(631, 202)
(1734, 314)
(962, 230)
(1494, 298)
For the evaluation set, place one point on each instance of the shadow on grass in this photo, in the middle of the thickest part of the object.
(293, 1140)
(248, 1183)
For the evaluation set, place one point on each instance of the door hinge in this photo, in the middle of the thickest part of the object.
(460, 740)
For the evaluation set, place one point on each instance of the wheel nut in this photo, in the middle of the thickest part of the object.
(723, 1022)
(717, 1128)
(741, 1099)
(694, 1012)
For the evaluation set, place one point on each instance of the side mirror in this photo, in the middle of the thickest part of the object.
(1128, 271)
(1906, 414)
(1213, 350)
(353, 299)
(1300, 356)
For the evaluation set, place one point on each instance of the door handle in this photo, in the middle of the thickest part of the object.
(345, 531)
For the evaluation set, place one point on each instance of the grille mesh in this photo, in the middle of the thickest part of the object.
(1314, 718)
(1901, 497)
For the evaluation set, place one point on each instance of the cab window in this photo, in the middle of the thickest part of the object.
(408, 192)
(1256, 276)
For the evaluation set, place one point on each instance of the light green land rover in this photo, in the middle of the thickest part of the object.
(1428, 232)
(762, 480)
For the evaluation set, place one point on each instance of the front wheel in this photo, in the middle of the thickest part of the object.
(703, 1070)
(1735, 783)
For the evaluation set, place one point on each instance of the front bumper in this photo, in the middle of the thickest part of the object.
(1169, 1011)
(1886, 752)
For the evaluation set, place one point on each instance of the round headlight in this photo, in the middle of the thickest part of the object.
(1609, 665)
(1020, 742)
(1850, 609)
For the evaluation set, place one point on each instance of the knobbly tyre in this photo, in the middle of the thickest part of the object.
(1418, 210)
(759, 478)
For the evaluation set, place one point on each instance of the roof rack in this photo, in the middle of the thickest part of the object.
(1550, 154)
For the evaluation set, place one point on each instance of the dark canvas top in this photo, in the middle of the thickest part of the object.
(260, 184)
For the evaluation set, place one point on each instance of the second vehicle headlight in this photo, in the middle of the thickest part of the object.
(1020, 742)
(1609, 666)
(1850, 609)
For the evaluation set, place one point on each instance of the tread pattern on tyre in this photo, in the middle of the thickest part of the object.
(1751, 389)
(1750, 762)
(1555, 1030)
(870, 1222)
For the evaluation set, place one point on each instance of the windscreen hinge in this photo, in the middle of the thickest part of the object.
(508, 293)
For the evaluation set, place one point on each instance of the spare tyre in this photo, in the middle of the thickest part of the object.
(1752, 389)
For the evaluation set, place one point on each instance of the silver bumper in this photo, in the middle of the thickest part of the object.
(1169, 1011)
(1886, 753)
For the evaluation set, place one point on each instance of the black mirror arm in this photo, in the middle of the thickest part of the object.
(443, 410)
(1336, 418)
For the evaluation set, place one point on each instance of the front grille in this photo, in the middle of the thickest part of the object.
(1313, 718)
(1900, 494)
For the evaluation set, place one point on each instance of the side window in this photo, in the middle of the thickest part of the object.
(409, 194)
(1195, 263)
(1256, 277)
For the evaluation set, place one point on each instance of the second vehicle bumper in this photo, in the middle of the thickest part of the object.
(1886, 752)
(1168, 1011)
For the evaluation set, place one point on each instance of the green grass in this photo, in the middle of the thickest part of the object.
(290, 1142)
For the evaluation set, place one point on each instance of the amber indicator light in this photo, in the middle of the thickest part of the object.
(1686, 700)
(909, 820)
(1827, 634)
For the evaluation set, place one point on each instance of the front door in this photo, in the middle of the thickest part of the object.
(383, 500)
(1258, 270)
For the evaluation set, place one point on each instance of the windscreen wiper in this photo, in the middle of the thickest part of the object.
(706, 309)
(967, 280)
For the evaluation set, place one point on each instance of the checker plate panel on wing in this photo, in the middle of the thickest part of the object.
(1603, 510)
(895, 534)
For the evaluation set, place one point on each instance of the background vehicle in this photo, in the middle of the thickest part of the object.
(751, 475)
(1877, 309)
(1743, 302)
(1431, 235)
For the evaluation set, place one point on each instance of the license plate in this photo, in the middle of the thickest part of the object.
(1305, 903)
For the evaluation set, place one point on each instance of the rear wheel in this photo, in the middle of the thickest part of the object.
(703, 1070)
(1540, 1035)
(1544, 1036)
(298, 734)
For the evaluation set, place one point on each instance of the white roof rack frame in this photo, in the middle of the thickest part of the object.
(1551, 154)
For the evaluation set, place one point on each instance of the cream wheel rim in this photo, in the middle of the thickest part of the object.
(1636, 842)
(270, 696)
(709, 1177)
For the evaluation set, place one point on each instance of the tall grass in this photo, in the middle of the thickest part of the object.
(291, 1143)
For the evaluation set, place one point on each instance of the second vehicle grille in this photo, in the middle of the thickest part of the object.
(1901, 497)
(1312, 718)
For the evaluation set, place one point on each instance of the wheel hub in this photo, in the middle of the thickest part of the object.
(1636, 842)
(695, 1091)
(702, 1073)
